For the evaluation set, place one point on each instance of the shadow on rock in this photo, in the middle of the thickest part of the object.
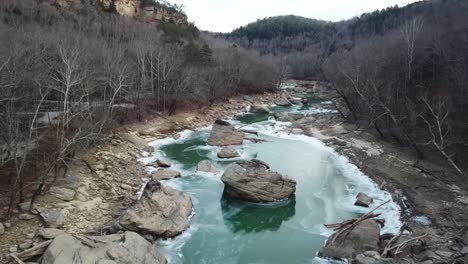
(250, 217)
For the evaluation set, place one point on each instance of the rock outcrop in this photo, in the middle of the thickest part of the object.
(161, 212)
(224, 134)
(147, 11)
(253, 181)
(362, 238)
(116, 249)
(228, 153)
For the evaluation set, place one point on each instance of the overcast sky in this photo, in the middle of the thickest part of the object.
(226, 15)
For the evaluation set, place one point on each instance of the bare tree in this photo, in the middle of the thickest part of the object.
(437, 121)
(410, 32)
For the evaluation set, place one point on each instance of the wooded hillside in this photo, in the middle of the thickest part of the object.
(68, 74)
(401, 71)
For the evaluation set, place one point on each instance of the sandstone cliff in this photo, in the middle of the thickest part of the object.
(144, 10)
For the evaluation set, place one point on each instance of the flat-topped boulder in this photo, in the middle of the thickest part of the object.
(228, 153)
(224, 134)
(253, 181)
(123, 248)
(161, 212)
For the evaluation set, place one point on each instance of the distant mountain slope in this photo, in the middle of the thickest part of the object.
(289, 35)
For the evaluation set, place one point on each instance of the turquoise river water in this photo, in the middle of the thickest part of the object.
(289, 232)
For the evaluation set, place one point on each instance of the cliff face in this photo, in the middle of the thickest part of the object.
(150, 13)
(142, 10)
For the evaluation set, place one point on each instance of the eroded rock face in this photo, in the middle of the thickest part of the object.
(118, 249)
(362, 238)
(224, 134)
(253, 181)
(161, 212)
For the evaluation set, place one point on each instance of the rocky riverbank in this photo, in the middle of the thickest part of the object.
(434, 204)
(106, 182)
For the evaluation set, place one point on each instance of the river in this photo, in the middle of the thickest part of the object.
(289, 232)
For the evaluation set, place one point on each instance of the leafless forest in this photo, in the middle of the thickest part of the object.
(68, 75)
(401, 72)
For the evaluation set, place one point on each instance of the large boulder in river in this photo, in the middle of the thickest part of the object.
(259, 109)
(253, 181)
(206, 166)
(228, 153)
(161, 212)
(116, 249)
(224, 134)
(362, 238)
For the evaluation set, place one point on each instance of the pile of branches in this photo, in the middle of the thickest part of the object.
(348, 225)
(392, 248)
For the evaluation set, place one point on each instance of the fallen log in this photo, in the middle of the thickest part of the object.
(35, 251)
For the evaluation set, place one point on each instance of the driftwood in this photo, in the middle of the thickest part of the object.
(348, 225)
(389, 247)
(35, 251)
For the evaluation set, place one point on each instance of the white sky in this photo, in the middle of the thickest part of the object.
(226, 15)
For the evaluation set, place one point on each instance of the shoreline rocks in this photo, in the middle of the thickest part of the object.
(165, 174)
(224, 134)
(163, 163)
(253, 181)
(161, 212)
(116, 249)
